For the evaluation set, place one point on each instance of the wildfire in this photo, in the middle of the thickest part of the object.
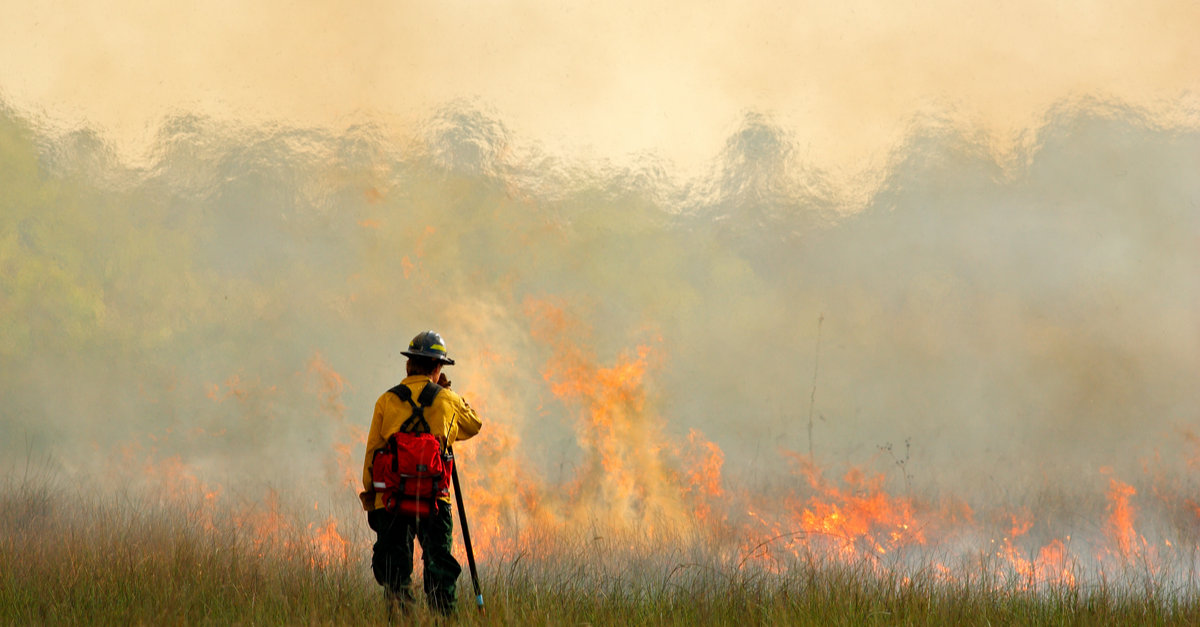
(327, 543)
(623, 477)
(1052, 565)
(632, 474)
(633, 477)
(702, 477)
(1121, 514)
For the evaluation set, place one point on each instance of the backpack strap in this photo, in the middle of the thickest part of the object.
(417, 423)
(428, 393)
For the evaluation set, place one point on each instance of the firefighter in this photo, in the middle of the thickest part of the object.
(450, 419)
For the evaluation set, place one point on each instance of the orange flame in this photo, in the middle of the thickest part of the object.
(702, 478)
(623, 476)
(634, 477)
(1121, 515)
(329, 545)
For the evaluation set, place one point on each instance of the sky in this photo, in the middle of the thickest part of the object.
(610, 79)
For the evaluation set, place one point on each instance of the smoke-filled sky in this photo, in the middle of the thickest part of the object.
(221, 223)
(672, 78)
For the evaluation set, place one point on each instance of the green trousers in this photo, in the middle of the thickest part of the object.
(392, 561)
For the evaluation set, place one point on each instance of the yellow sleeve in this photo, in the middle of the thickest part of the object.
(466, 419)
(459, 421)
(374, 441)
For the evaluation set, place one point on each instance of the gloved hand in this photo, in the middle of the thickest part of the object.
(443, 381)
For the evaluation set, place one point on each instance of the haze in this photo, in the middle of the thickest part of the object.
(614, 78)
(213, 211)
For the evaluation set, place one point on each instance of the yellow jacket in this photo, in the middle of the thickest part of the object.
(450, 419)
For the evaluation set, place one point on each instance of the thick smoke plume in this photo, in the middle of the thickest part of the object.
(991, 324)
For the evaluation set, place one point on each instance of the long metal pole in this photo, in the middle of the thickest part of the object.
(466, 532)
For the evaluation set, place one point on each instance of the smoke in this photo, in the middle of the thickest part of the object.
(622, 77)
(241, 299)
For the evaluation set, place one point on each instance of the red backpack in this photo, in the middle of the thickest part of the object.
(411, 470)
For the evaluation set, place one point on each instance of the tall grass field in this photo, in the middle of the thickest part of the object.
(70, 555)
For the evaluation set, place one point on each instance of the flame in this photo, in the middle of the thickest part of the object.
(631, 475)
(625, 480)
(850, 523)
(623, 477)
(634, 478)
(328, 544)
(1121, 515)
(1054, 565)
(702, 477)
(1022, 522)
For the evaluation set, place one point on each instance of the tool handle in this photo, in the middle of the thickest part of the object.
(466, 532)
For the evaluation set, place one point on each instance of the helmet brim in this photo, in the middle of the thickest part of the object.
(434, 356)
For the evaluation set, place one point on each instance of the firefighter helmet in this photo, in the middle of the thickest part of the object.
(428, 344)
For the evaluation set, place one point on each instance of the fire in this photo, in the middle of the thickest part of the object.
(631, 474)
(860, 517)
(1121, 515)
(329, 545)
(702, 476)
(263, 523)
(634, 480)
(1052, 565)
(501, 493)
(623, 476)
(627, 478)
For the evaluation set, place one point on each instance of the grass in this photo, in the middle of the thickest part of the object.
(126, 557)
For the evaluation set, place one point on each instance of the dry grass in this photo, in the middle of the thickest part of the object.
(121, 558)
